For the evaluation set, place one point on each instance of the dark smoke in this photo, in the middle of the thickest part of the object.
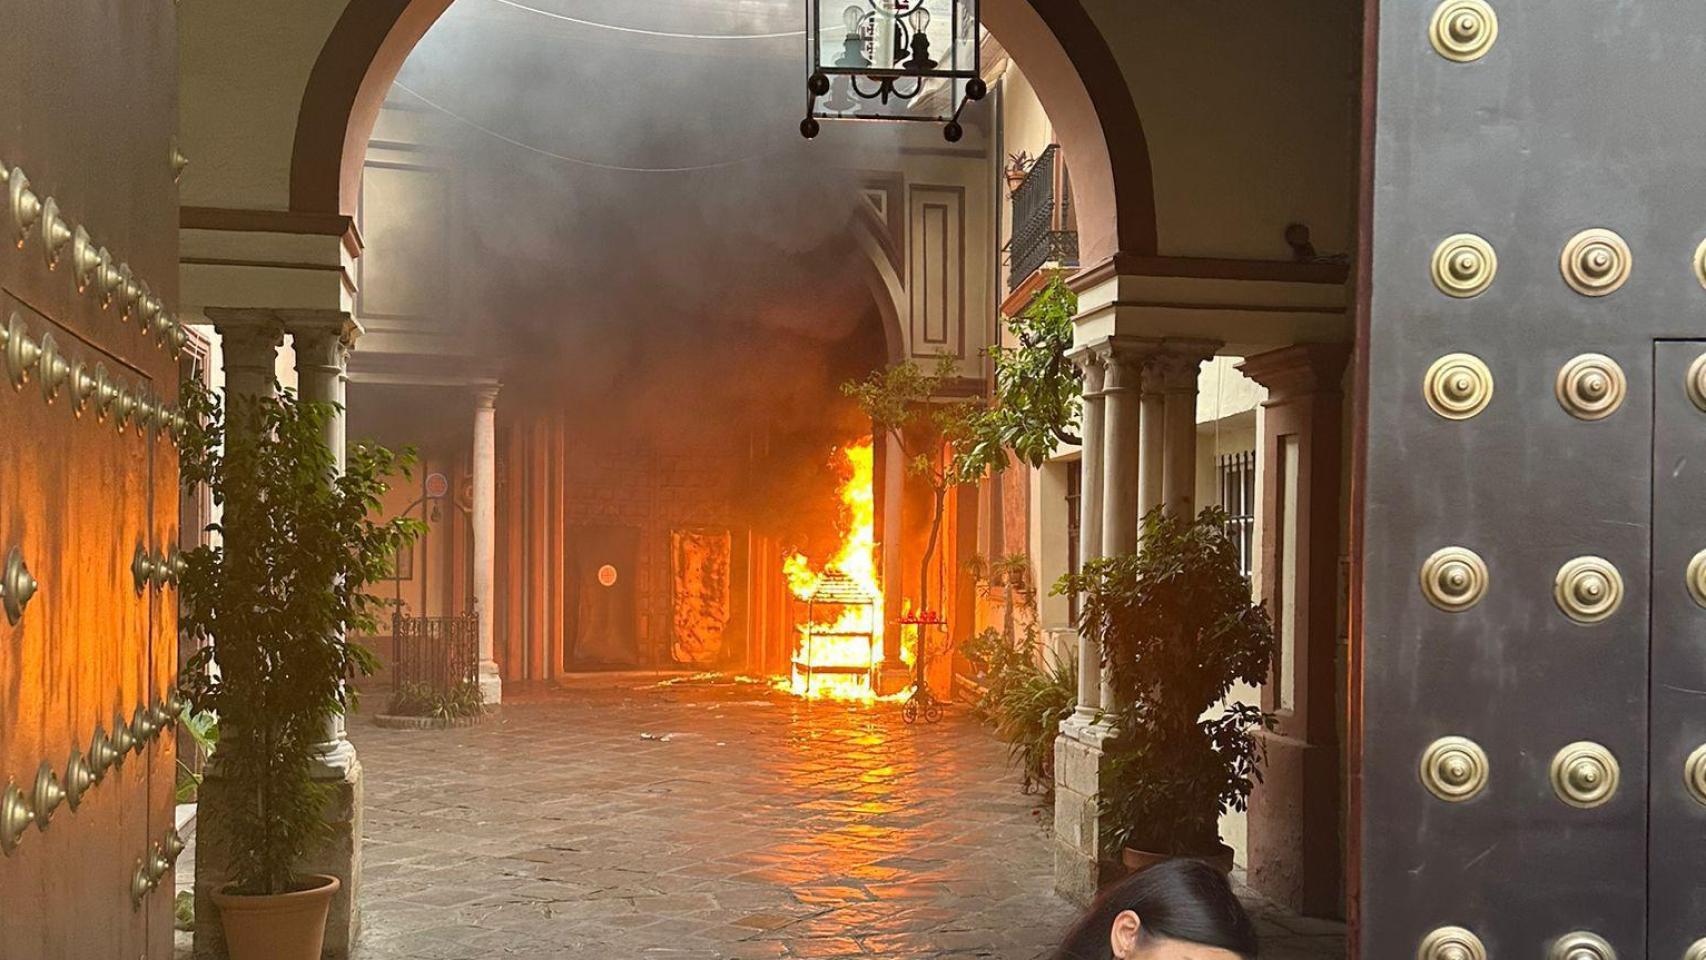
(663, 311)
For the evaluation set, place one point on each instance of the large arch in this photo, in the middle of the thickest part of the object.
(1055, 42)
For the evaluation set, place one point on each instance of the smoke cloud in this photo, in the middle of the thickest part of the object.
(651, 246)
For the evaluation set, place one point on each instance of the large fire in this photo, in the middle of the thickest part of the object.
(837, 650)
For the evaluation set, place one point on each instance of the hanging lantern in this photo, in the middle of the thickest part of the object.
(892, 60)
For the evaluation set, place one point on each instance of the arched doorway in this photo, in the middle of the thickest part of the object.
(1075, 74)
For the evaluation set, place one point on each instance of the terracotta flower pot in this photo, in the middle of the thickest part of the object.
(285, 926)
(1136, 860)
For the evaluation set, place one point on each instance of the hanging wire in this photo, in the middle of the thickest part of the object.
(615, 168)
(650, 33)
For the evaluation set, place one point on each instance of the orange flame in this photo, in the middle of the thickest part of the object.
(846, 647)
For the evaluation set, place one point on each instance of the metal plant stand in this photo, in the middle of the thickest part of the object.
(923, 702)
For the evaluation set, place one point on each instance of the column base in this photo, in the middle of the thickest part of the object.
(491, 686)
(338, 855)
(1080, 764)
(1294, 828)
(335, 760)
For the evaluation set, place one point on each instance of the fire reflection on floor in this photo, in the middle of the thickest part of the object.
(709, 818)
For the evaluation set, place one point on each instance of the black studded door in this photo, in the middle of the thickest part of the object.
(1677, 817)
(1529, 674)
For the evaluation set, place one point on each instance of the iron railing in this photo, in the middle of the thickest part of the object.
(1045, 230)
(440, 653)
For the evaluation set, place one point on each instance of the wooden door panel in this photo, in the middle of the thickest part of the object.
(88, 111)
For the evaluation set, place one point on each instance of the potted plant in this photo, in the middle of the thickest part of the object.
(1177, 628)
(1018, 166)
(272, 602)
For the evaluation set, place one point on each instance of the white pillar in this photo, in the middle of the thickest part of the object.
(1150, 443)
(1179, 473)
(1121, 381)
(323, 343)
(1090, 524)
(485, 536)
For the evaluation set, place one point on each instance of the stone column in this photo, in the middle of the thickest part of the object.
(485, 535)
(323, 341)
(1296, 811)
(323, 344)
(1151, 440)
(1179, 463)
(1122, 381)
(1089, 525)
(1111, 454)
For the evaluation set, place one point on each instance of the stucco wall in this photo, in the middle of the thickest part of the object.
(244, 66)
(1249, 110)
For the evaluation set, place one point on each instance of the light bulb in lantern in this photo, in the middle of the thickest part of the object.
(853, 45)
(883, 29)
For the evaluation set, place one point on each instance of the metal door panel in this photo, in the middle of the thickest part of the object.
(1677, 910)
(1578, 116)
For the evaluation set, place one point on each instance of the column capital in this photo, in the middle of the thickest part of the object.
(245, 328)
(1299, 370)
(1090, 365)
(315, 326)
(486, 395)
(249, 342)
(1123, 359)
(1179, 361)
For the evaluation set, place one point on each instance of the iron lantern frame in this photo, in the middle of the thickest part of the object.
(871, 83)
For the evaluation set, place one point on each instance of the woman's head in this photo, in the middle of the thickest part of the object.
(1177, 910)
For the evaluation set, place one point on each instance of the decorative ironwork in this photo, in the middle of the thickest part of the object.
(1045, 229)
(838, 590)
(923, 702)
(1238, 499)
(440, 653)
(892, 60)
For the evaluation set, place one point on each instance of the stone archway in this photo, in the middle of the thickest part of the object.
(1055, 42)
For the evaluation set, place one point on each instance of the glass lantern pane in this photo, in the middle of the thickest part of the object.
(894, 59)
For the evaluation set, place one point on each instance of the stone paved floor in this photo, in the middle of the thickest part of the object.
(700, 821)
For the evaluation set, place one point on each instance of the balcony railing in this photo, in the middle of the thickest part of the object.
(1045, 231)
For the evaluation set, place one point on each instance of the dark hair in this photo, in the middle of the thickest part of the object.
(1184, 900)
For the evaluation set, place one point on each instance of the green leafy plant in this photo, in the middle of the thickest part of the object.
(424, 700)
(1037, 387)
(1023, 699)
(203, 731)
(1177, 629)
(272, 603)
(183, 911)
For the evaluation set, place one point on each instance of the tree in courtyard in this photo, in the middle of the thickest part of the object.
(937, 436)
(1037, 388)
(1033, 410)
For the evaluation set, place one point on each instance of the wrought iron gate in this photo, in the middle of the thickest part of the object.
(88, 478)
(1532, 609)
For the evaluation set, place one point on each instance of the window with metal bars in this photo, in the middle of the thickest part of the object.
(1238, 499)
